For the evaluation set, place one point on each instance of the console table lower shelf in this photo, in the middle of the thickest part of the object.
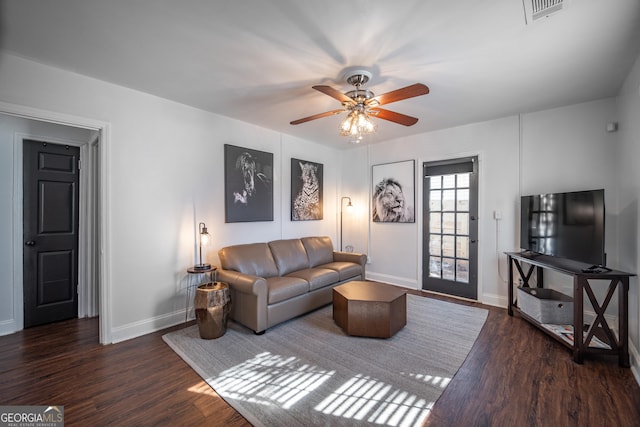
(581, 339)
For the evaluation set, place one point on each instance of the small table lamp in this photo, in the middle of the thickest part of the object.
(204, 241)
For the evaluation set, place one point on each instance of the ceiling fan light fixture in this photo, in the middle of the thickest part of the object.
(361, 104)
(356, 125)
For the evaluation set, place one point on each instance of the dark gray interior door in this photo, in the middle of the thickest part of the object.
(50, 225)
(450, 234)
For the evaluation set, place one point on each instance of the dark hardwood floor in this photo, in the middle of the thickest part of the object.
(514, 376)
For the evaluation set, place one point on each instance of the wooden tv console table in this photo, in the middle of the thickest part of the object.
(582, 282)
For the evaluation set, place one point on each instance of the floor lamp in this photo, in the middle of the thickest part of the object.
(349, 205)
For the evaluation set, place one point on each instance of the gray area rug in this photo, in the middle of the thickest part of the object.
(307, 372)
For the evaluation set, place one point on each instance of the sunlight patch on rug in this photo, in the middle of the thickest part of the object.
(365, 398)
(442, 382)
(307, 371)
(269, 379)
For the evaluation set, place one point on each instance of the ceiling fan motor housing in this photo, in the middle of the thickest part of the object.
(359, 96)
(358, 78)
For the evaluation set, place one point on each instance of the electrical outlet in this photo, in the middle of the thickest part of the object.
(497, 215)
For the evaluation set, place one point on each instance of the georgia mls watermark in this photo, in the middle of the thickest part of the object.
(31, 416)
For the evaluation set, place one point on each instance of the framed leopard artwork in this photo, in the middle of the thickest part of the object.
(306, 190)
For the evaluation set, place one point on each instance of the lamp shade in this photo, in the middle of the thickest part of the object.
(205, 237)
(203, 240)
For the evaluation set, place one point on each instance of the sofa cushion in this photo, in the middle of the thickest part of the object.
(347, 270)
(283, 288)
(319, 250)
(317, 277)
(253, 258)
(289, 255)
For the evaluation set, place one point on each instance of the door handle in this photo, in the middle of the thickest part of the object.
(30, 243)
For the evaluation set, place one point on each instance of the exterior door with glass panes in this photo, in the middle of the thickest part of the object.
(450, 230)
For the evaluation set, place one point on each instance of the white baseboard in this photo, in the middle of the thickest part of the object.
(495, 300)
(406, 282)
(8, 327)
(634, 361)
(122, 333)
(147, 326)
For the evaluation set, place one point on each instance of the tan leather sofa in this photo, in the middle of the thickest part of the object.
(276, 281)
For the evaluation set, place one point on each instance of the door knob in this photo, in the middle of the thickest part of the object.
(30, 243)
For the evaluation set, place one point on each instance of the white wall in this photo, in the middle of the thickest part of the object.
(165, 174)
(356, 177)
(396, 249)
(562, 149)
(569, 149)
(628, 173)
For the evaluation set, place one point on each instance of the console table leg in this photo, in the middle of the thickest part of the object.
(623, 322)
(540, 277)
(510, 289)
(578, 319)
(578, 357)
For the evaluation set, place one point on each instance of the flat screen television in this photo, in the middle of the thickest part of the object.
(565, 225)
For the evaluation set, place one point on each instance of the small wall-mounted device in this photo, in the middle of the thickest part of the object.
(612, 127)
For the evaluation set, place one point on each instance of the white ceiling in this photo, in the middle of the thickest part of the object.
(256, 60)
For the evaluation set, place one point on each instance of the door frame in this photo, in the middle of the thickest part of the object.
(90, 255)
(481, 231)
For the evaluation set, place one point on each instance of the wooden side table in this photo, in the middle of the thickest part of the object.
(194, 280)
(212, 303)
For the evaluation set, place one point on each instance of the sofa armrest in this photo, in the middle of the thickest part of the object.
(354, 257)
(350, 257)
(248, 298)
(244, 283)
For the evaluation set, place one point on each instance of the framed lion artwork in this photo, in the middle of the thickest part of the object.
(393, 192)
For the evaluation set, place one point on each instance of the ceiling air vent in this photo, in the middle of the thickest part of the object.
(536, 9)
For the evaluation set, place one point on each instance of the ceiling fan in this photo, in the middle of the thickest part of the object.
(360, 104)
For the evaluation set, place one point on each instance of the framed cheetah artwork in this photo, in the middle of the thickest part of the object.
(306, 190)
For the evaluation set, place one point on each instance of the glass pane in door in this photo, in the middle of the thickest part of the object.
(451, 228)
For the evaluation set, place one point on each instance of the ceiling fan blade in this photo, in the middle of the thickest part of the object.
(392, 116)
(334, 93)
(316, 116)
(400, 94)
